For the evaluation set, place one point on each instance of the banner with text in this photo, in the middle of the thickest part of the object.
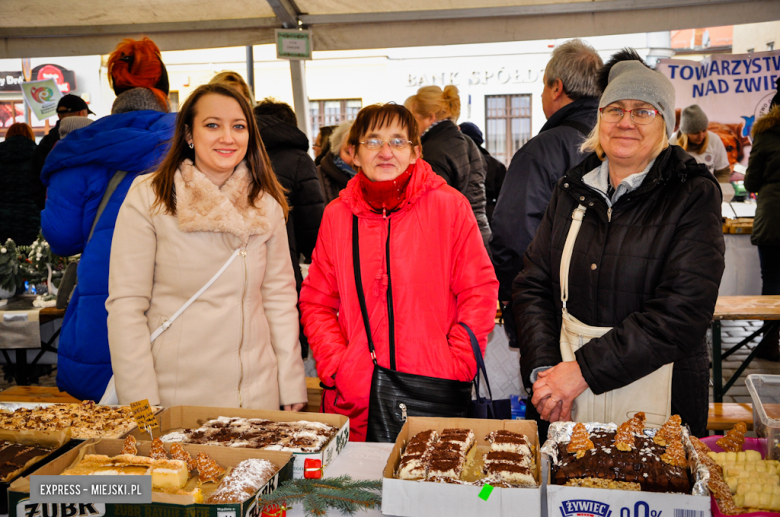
(734, 90)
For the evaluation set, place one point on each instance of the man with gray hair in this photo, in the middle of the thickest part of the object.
(570, 101)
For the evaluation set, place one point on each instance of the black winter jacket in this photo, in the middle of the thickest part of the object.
(445, 148)
(496, 172)
(650, 268)
(456, 158)
(475, 188)
(287, 148)
(38, 160)
(763, 176)
(529, 183)
(20, 218)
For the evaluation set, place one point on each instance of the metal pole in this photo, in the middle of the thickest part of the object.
(300, 97)
(250, 68)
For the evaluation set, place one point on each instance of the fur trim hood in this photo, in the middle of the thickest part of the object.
(768, 121)
(203, 207)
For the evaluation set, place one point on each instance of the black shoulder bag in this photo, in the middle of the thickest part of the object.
(396, 395)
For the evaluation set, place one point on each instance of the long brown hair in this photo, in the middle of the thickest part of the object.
(262, 175)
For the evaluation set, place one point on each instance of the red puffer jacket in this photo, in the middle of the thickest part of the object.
(441, 275)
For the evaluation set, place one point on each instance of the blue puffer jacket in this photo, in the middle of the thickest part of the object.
(76, 174)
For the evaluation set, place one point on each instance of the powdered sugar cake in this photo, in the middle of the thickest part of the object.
(243, 481)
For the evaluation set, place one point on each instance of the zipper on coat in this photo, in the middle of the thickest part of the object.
(241, 342)
(390, 316)
(609, 214)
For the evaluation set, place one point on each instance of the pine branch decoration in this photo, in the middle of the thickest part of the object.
(318, 495)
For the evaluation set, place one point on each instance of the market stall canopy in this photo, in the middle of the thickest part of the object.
(38, 28)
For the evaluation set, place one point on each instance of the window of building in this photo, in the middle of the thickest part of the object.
(751, 50)
(770, 45)
(333, 112)
(507, 124)
(11, 111)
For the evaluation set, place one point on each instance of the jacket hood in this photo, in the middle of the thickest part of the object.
(330, 169)
(672, 163)
(133, 142)
(279, 134)
(768, 121)
(423, 180)
(16, 149)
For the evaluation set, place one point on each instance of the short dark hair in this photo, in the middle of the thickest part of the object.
(626, 54)
(381, 115)
(278, 109)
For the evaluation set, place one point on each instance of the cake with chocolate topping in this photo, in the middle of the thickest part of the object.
(641, 464)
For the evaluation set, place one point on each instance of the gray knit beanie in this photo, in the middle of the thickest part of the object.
(70, 124)
(137, 99)
(633, 80)
(693, 120)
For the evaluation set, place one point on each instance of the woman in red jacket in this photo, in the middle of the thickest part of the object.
(418, 236)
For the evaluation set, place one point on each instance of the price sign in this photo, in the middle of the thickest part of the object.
(293, 44)
(144, 417)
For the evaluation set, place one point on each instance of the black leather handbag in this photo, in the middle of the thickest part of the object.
(396, 395)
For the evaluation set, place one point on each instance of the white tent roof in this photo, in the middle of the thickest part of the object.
(38, 28)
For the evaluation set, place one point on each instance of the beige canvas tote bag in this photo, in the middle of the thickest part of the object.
(651, 394)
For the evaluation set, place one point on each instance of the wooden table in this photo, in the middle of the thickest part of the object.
(723, 417)
(35, 394)
(21, 367)
(765, 308)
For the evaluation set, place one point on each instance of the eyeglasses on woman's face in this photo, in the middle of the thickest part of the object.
(613, 115)
(376, 143)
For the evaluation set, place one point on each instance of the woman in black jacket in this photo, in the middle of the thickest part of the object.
(20, 218)
(763, 177)
(647, 262)
(451, 154)
(287, 148)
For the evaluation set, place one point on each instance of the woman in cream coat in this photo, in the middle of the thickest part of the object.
(215, 193)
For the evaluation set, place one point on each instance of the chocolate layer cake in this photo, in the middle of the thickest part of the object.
(14, 457)
(641, 465)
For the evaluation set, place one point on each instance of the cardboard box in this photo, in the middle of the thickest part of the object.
(61, 440)
(421, 499)
(191, 417)
(568, 501)
(163, 505)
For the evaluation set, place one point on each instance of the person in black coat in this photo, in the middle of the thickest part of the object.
(570, 102)
(287, 148)
(20, 219)
(450, 153)
(496, 171)
(647, 261)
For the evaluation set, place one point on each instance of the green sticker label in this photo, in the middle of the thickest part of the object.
(485, 492)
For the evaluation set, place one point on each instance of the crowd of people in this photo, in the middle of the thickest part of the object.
(601, 241)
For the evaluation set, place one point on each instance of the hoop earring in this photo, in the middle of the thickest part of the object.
(191, 145)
